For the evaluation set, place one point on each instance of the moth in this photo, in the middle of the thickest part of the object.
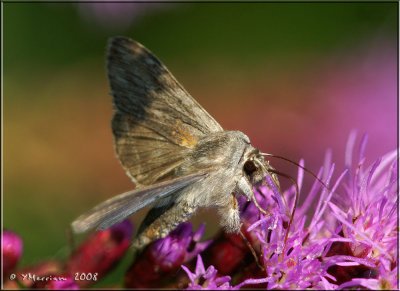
(178, 156)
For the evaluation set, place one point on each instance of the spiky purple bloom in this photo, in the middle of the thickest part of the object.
(11, 249)
(367, 226)
(203, 279)
(366, 212)
(348, 239)
(297, 262)
(181, 245)
(206, 279)
(165, 256)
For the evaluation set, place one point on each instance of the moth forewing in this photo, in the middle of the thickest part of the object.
(156, 122)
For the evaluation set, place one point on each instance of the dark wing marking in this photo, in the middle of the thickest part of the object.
(121, 206)
(156, 121)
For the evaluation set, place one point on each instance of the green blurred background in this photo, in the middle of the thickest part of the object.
(296, 77)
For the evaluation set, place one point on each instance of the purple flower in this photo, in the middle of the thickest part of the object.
(249, 213)
(206, 279)
(11, 249)
(165, 256)
(386, 280)
(180, 246)
(296, 262)
(366, 212)
(347, 238)
(203, 279)
(362, 218)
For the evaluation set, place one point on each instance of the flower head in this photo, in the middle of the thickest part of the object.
(347, 238)
(165, 256)
(203, 279)
(181, 245)
(366, 215)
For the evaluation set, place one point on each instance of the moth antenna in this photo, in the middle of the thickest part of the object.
(298, 165)
(253, 252)
(296, 198)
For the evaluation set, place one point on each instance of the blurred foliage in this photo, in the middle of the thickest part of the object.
(39, 36)
(58, 156)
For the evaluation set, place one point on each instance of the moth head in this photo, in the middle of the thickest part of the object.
(256, 168)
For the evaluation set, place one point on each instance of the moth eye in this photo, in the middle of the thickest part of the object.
(249, 168)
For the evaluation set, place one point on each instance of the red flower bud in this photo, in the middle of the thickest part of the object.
(100, 253)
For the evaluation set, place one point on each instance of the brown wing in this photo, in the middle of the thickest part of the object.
(156, 122)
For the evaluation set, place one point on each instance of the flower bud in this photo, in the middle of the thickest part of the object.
(99, 254)
(12, 251)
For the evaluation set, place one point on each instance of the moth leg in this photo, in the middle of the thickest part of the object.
(244, 187)
(165, 222)
(230, 215)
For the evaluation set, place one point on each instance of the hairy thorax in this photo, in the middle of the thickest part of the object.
(220, 149)
(222, 155)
